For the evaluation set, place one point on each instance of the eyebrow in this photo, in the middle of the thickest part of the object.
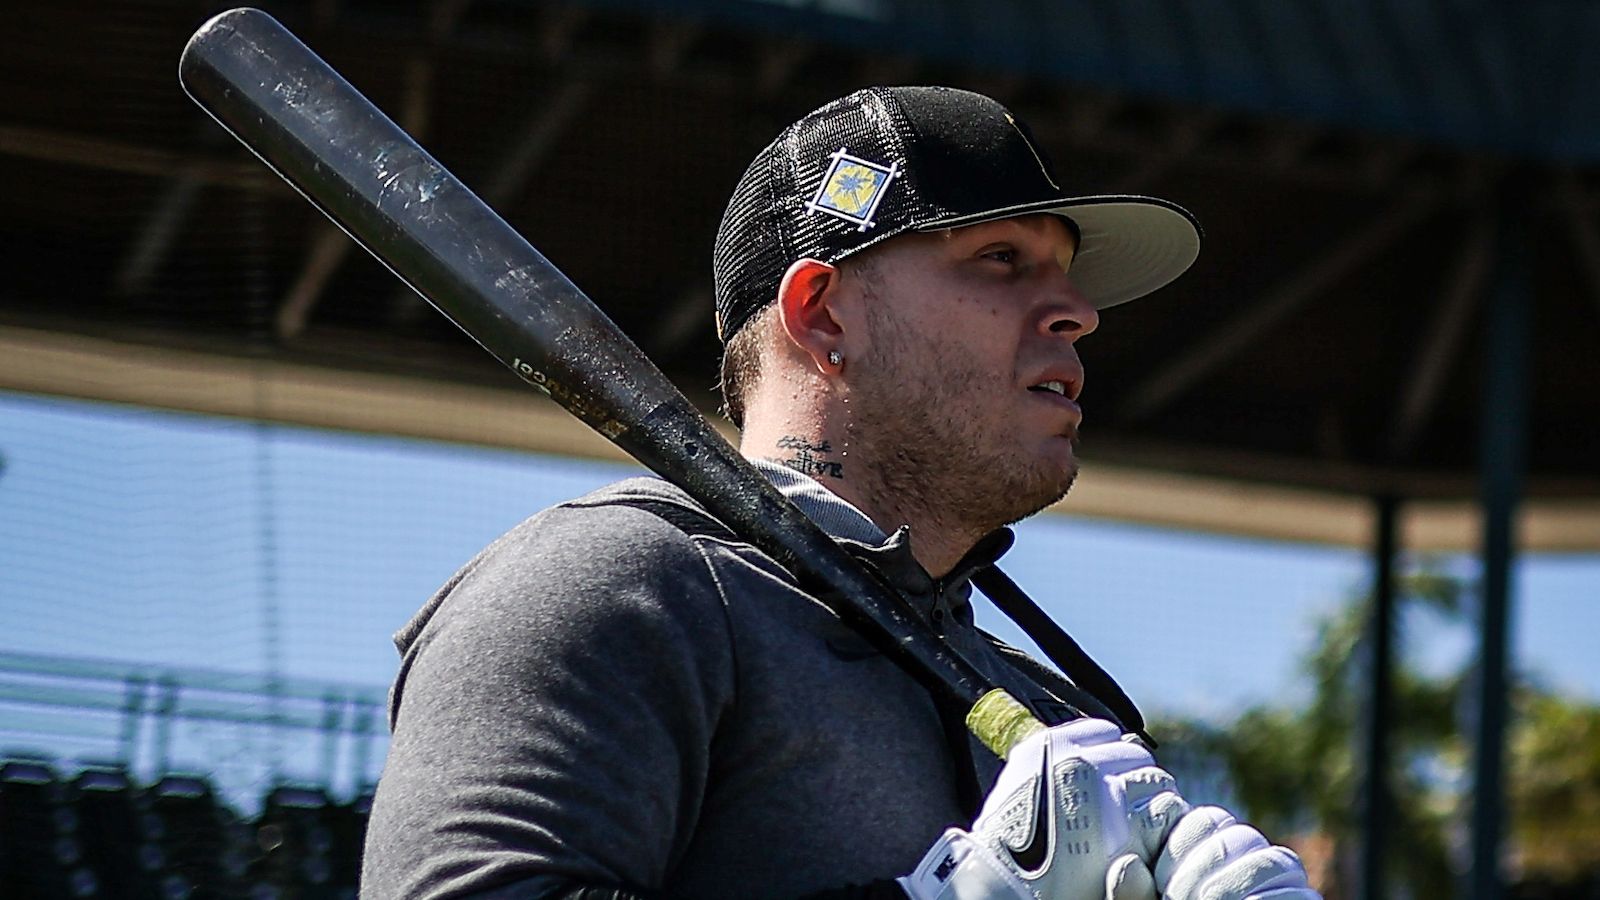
(1033, 224)
(1037, 223)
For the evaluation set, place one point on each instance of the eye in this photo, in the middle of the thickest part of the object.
(1006, 255)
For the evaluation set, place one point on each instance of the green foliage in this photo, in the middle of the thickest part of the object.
(1556, 773)
(1296, 772)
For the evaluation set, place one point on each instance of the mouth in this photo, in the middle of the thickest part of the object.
(1063, 379)
(1059, 394)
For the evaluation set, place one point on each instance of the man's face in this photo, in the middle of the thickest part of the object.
(967, 391)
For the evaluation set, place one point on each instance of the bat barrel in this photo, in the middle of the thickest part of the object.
(350, 160)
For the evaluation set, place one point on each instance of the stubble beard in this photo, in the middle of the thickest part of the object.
(930, 460)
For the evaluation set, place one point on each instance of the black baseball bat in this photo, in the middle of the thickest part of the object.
(356, 165)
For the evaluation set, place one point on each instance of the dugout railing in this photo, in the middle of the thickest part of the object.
(122, 779)
(247, 730)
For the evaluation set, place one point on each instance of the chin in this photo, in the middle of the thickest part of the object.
(1040, 489)
(1060, 457)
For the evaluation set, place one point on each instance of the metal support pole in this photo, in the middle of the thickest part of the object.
(332, 716)
(1376, 792)
(363, 733)
(166, 711)
(133, 693)
(1504, 423)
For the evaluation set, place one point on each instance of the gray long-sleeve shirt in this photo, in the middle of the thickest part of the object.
(601, 696)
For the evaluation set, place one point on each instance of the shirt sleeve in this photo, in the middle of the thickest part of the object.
(554, 714)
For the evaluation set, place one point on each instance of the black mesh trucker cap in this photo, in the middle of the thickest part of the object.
(883, 161)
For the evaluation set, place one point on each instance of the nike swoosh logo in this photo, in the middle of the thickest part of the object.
(1030, 857)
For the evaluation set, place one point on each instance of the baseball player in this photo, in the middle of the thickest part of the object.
(620, 698)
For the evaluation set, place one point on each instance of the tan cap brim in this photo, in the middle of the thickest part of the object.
(1128, 246)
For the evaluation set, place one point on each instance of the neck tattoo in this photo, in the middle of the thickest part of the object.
(806, 457)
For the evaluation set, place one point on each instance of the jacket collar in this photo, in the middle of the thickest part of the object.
(891, 554)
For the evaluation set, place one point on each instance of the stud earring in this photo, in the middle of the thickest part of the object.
(835, 358)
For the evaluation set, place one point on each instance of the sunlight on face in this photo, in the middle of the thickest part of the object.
(942, 397)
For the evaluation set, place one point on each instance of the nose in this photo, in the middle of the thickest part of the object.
(1069, 314)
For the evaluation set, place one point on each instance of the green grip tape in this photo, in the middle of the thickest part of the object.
(1000, 722)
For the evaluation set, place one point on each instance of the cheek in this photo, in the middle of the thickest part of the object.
(989, 334)
(951, 337)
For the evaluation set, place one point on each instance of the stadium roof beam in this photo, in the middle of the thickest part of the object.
(1442, 344)
(157, 235)
(1088, 123)
(54, 146)
(1287, 151)
(1205, 356)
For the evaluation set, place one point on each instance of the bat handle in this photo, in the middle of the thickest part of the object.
(1000, 722)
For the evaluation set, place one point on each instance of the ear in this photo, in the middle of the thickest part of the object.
(806, 307)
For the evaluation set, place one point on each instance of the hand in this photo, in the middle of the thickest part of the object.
(1078, 813)
(1211, 856)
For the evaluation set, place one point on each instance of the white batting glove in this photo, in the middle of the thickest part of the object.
(1076, 814)
(1211, 856)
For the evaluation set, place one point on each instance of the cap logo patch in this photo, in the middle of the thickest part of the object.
(852, 188)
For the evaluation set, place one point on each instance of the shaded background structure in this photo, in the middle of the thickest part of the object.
(1397, 303)
(1349, 170)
